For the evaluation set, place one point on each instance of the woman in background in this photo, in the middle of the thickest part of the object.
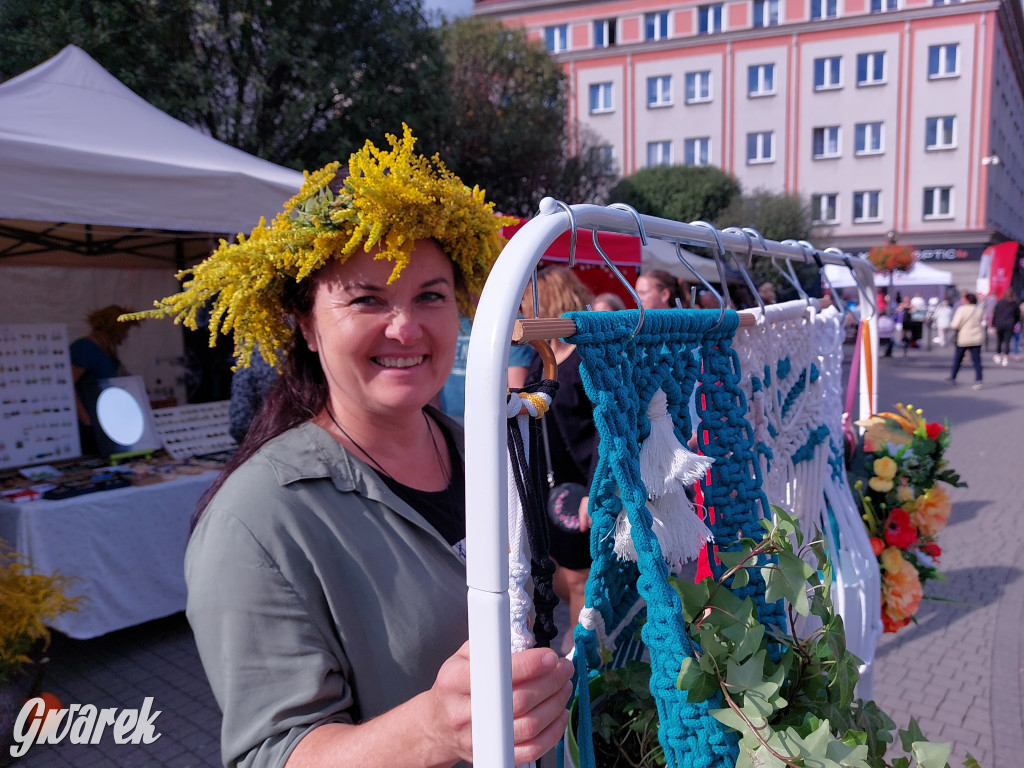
(658, 289)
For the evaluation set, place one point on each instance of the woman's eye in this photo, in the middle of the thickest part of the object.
(432, 297)
(364, 301)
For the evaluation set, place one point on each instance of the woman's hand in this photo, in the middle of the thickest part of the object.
(584, 515)
(541, 686)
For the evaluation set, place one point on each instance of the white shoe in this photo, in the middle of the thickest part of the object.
(1006, 360)
(995, 359)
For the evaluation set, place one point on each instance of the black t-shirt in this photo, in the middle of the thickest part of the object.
(445, 510)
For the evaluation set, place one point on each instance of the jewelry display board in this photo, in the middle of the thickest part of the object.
(198, 429)
(38, 422)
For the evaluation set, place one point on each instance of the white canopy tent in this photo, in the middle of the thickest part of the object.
(926, 280)
(103, 197)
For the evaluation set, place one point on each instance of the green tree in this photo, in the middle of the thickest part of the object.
(298, 82)
(777, 217)
(508, 130)
(678, 192)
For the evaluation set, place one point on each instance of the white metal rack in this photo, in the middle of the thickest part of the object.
(486, 453)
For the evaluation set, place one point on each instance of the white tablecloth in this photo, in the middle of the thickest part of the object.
(126, 547)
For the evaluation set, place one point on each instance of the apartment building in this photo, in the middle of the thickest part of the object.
(896, 118)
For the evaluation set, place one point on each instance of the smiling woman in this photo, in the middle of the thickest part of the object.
(326, 570)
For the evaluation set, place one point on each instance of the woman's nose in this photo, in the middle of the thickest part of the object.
(404, 326)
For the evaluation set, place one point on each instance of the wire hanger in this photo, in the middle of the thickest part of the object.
(718, 251)
(742, 267)
(790, 275)
(621, 278)
(864, 290)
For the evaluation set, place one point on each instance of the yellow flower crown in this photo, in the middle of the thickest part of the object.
(390, 199)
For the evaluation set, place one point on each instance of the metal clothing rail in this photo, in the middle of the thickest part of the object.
(485, 426)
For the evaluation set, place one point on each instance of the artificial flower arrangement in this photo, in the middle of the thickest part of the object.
(897, 471)
(890, 258)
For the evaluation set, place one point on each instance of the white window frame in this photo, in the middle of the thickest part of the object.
(874, 138)
(698, 87)
(822, 204)
(606, 153)
(937, 198)
(662, 96)
(760, 74)
(876, 60)
(710, 18)
(827, 82)
(697, 151)
(604, 101)
(945, 128)
(827, 9)
(941, 71)
(764, 147)
(866, 196)
(831, 142)
(556, 38)
(656, 25)
(765, 13)
(884, 5)
(663, 150)
(608, 32)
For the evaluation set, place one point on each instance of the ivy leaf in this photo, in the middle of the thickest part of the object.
(787, 579)
(731, 719)
(740, 579)
(971, 761)
(748, 679)
(910, 735)
(758, 758)
(693, 596)
(929, 755)
(698, 684)
(745, 639)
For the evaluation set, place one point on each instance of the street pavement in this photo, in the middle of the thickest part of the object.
(958, 671)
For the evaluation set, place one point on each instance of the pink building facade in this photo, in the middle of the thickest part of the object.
(894, 117)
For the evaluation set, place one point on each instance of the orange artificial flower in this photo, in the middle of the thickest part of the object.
(931, 512)
(901, 593)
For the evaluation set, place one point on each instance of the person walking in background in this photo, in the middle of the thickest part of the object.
(943, 316)
(608, 302)
(1005, 315)
(969, 325)
(571, 440)
(658, 289)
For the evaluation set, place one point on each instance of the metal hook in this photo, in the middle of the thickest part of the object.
(743, 269)
(550, 204)
(636, 215)
(619, 276)
(705, 283)
(791, 276)
(865, 291)
(719, 254)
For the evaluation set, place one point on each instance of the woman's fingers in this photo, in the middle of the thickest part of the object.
(584, 515)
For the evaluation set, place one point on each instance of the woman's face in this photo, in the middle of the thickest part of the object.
(651, 293)
(385, 349)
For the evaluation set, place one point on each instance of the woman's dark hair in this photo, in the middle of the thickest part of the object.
(677, 287)
(298, 395)
(971, 298)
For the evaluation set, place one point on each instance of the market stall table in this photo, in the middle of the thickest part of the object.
(126, 547)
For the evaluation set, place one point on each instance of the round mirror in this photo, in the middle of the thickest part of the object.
(120, 416)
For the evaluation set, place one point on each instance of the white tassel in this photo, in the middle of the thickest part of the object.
(681, 534)
(666, 465)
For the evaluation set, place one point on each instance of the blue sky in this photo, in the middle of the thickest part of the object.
(449, 7)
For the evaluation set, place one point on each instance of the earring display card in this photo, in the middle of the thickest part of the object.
(38, 422)
(195, 430)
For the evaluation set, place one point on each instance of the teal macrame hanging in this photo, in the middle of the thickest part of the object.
(683, 353)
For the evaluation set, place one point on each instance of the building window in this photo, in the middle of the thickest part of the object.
(761, 147)
(867, 139)
(698, 86)
(603, 158)
(659, 91)
(825, 208)
(945, 2)
(604, 33)
(557, 38)
(824, 9)
(866, 206)
(766, 13)
(761, 80)
(940, 132)
(659, 153)
(938, 202)
(709, 19)
(944, 60)
(826, 142)
(656, 25)
(697, 151)
(879, 6)
(600, 98)
(827, 73)
(871, 68)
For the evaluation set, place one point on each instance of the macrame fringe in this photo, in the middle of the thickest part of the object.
(680, 532)
(666, 465)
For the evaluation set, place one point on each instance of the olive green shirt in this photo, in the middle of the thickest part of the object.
(316, 595)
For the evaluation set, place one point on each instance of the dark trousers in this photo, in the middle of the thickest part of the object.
(1003, 336)
(958, 357)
